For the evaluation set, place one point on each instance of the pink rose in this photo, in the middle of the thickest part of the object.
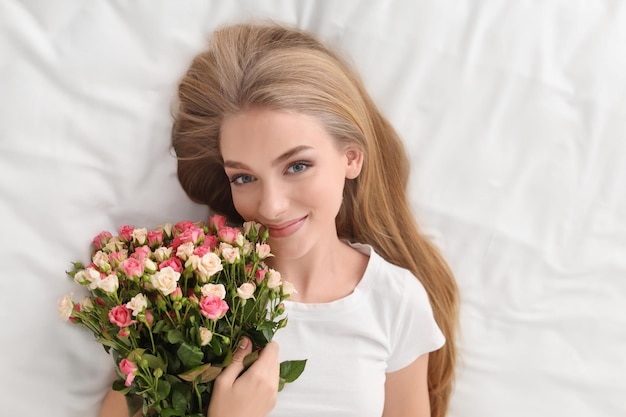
(129, 369)
(182, 226)
(102, 239)
(149, 317)
(132, 267)
(124, 332)
(177, 294)
(260, 275)
(126, 233)
(217, 222)
(121, 316)
(213, 307)
(116, 258)
(155, 238)
(228, 234)
(200, 251)
(141, 253)
(210, 242)
(173, 263)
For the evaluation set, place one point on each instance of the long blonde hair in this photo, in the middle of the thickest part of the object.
(270, 66)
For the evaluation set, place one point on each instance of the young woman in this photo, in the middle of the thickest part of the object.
(273, 126)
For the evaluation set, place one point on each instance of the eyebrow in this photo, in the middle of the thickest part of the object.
(282, 158)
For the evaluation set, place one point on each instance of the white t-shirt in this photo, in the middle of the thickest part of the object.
(351, 343)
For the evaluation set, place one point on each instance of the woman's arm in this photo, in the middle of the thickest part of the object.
(251, 394)
(114, 405)
(406, 391)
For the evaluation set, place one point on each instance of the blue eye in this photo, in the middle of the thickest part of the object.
(298, 167)
(242, 179)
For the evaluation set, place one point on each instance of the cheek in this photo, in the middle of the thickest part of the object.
(244, 204)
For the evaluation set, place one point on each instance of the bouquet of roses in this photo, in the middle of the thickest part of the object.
(171, 304)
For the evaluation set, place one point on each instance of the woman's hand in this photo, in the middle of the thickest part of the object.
(253, 393)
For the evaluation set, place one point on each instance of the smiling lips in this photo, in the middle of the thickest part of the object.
(286, 229)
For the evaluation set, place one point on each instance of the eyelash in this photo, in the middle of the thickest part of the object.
(306, 164)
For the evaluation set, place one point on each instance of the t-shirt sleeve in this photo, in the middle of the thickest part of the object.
(414, 331)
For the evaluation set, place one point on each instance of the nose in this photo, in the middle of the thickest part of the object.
(273, 201)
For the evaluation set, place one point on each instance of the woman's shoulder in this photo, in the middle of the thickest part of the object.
(390, 279)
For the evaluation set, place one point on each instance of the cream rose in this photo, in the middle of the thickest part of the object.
(166, 280)
(65, 306)
(101, 260)
(115, 244)
(162, 253)
(214, 289)
(246, 290)
(263, 250)
(206, 266)
(274, 279)
(288, 288)
(185, 250)
(229, 253)
(109, 284)
(86, 304)
(140, 235)
(205, 336)
(138, 304)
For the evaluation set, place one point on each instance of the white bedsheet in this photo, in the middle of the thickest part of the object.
(514, 113)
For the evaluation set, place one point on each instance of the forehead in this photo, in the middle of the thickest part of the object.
(267, 132)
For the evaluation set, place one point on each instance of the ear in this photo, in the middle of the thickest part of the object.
(354, 161)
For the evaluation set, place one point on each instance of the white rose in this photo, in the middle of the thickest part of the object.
(205, 336)
(139, 235)
(288, 288)
(274, 279)
(138, 303)
(246, 290)
(214, 289)
(65, 306)
(162, 253)
(185, 250)
(166, 280)
(109, 284)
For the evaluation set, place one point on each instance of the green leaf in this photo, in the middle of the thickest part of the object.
(181, 396)
(163, 389)
(154, 362)
(170, 412)
(291, 370)
(281, 384)
(191, 356)
(158, 327)
(205, 372)
(175, 336)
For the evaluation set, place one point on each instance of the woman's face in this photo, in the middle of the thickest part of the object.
(287, 173)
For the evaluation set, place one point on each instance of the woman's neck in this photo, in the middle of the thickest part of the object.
(324, 274)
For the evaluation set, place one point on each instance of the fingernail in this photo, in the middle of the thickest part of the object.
(243, 344)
